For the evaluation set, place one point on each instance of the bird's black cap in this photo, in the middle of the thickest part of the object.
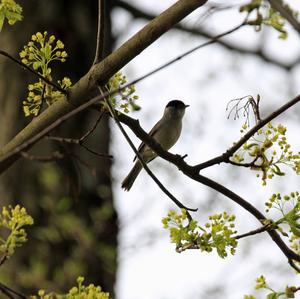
(177, 104)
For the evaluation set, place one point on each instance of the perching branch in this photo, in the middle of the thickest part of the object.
(193, 173)
(115, 116)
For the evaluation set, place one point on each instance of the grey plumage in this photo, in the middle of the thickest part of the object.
(166, 132)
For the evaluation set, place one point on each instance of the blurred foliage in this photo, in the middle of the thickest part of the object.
(75, 233)
(261, 284)
(11, 11)
(67, 240)
(79, 292)
(12, 220)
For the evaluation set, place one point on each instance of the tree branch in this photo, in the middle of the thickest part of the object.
(10, 292)
(279, 6)
(100, 33)
(225, 156)
(5, 54)
(100, 72)
(115, 116)
(269, 226)
(193, 173)
(138, 13)
(11, 151)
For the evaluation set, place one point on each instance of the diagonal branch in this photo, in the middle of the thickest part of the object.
(114, 114)
(266, 227)
(279, 6)
(10, 293)
(33, 71)
(100, 72)
(193, 173)
(225, 156)
(139, 13)
(26, 138)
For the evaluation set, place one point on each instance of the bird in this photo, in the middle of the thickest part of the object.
(166, 132)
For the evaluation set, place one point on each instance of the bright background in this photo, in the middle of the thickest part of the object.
(207, 80)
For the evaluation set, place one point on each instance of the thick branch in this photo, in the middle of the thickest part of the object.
(193, 173)
(138, 13)
(101, 72)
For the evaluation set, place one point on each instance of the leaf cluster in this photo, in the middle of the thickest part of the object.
(289, 209)
(40, 52)
(266, 15)
(261, 284)
(216, 234)
(12, 221)
(268, 150)
(11, 11)
(125, 98)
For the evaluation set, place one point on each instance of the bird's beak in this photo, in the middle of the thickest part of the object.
(187, 106)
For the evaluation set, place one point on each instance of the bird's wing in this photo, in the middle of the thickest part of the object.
(151, 133)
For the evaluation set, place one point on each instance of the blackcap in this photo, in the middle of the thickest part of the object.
(166, 132)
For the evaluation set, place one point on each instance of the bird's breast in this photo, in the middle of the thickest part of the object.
(168, 134)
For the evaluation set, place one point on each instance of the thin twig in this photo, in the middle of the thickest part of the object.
(80, 141)
(10, 292)
(33, 72)
(57, 155)
(92, 129)
(102, 155)
(99, 55)
(293, 265)
(3, 258)
(225, 156)
(200, 31)
(144, 164)
(250, 164)
(264, 228)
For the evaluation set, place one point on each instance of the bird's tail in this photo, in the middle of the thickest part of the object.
(129, 180)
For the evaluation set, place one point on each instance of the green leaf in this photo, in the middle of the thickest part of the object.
(272, 296)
